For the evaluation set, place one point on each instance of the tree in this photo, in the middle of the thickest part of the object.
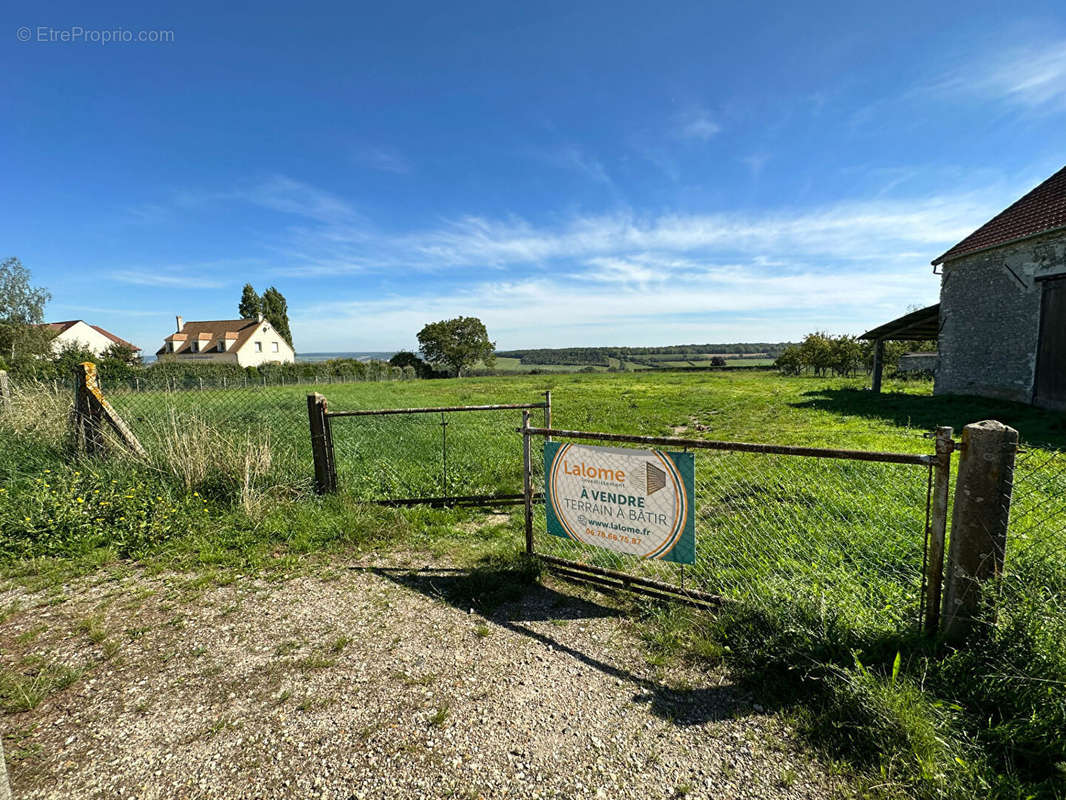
(790, 362)
(718, 361)
(405, 359)
(276, 311)
(251, 305)
(21, 310)
(457, 343)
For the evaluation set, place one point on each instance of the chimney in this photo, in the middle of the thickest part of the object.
(259, 317)
(181, 322)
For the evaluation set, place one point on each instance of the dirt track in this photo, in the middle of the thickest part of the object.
(364, 682)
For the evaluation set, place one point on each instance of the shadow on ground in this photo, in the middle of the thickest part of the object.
(1037, 427)
(518, 601)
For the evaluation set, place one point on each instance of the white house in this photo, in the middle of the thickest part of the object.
(245, 342)
(79, 333)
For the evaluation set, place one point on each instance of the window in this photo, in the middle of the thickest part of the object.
(170, 347)
(222, 346)
(274, 347)
(259, 347)
(194, 346)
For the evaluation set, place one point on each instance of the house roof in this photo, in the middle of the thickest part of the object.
(212, 331)
(1040, 211)
(60, 327)
(917, 326)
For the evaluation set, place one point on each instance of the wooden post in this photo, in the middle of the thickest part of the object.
(5, 391)
(938, 525)
(979, 520)
(321, 444)
(91, 410)
(527, 481)
(88, 436)
(879, 364)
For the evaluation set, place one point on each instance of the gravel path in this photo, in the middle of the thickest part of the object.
(365, 683)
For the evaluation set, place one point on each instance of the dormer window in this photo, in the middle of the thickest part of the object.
(194, 346)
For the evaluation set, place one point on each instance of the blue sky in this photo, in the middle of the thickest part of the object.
(572, 173)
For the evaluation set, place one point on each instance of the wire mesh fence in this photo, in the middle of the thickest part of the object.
(844, 535)
(469, 454)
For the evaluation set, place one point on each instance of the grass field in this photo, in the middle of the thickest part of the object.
(825, 553)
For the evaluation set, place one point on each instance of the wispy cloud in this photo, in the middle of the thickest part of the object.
(384, 159)
(1033, 76)
(573, 158)
(696, 124)
(281, 193)
(190, 280)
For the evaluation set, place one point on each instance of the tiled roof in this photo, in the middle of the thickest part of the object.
(209, 333)
(1040, 211)
(59, 327)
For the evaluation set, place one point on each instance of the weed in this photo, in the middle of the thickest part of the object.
(439, 716)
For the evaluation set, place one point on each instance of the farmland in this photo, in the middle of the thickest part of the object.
(825, 554)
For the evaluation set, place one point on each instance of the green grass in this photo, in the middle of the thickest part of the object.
(824, 554)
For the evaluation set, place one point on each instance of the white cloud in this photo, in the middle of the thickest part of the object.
(1033, 76)
(192, 279)
(384, 159)
(697, 124)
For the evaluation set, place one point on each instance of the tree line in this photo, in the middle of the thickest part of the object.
(599, 356)
(824, 354)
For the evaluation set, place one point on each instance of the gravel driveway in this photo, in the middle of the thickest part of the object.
(364, 682)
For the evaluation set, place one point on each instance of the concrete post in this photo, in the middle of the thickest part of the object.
(5, 391)
(979, 520)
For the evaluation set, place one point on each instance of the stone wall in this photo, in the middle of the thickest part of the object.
(990, 318)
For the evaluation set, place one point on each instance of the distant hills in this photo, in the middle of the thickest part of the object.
(649, 356)
(366, 355)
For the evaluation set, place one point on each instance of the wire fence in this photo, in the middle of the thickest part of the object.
(461, 454)
(842, 535)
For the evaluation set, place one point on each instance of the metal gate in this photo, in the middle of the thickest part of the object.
(858, 532)
(440, 456)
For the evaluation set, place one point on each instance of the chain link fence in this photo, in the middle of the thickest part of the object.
(842, 535)
(464, 455)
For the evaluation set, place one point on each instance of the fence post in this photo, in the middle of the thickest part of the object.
(5, 391)
(321, 444)
(979, 520)
(527, 482)
(88, 436)
(938, 525)
(548, 411)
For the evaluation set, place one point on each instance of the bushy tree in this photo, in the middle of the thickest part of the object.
(406, 359)
(790, 362)
(276, 311)
(21, 312)
(251, 305)
(457, 343)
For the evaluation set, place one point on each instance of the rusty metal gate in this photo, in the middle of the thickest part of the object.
(850, 532)
(440, 456)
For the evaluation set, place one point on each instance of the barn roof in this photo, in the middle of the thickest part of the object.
(917, 326)
(1040, 211)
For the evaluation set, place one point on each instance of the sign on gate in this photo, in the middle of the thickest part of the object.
(633, 501)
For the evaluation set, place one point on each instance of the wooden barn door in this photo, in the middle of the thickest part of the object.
(1051, 352)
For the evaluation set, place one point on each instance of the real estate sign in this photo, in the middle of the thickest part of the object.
(634, 501)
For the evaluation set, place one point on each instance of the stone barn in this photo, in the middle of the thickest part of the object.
(1000, 325)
